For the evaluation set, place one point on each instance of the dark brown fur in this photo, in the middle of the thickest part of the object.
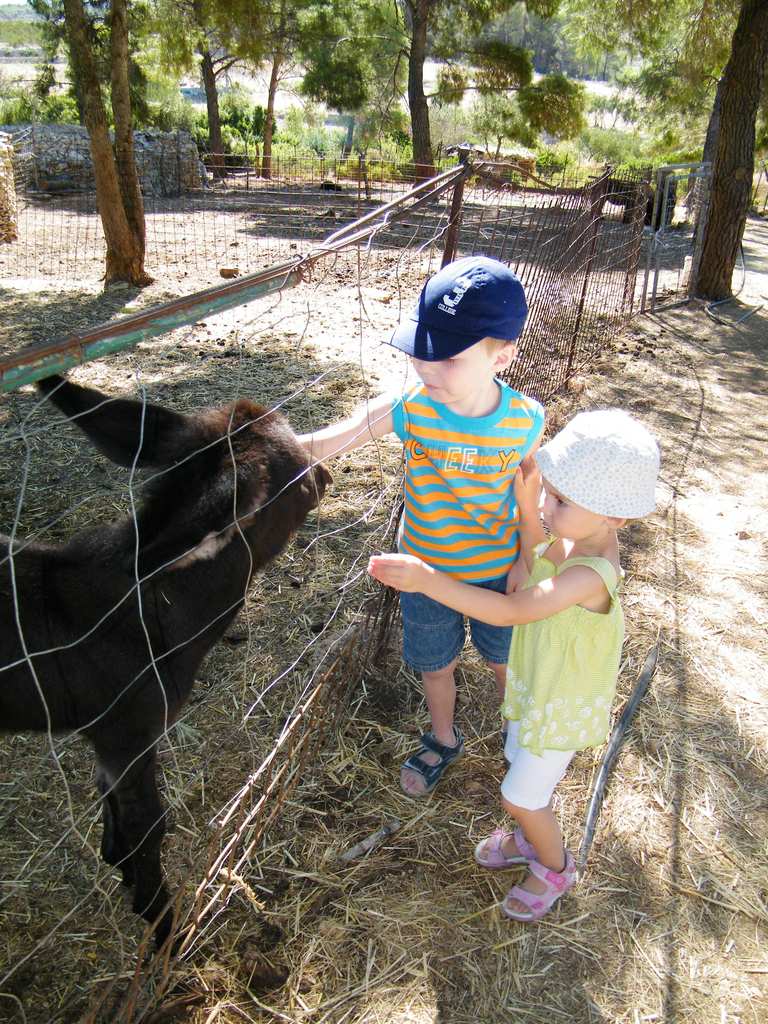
(117, 662)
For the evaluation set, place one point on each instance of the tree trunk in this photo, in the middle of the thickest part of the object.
(215, 144)
(734, 159)
(418, 16)
(269, 120)
(707, 157)
(127, 174)
(125, 252)
(713, 127)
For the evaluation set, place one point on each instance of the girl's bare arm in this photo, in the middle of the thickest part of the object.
(576, 585)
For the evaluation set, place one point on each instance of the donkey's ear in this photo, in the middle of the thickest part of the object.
(127, 431)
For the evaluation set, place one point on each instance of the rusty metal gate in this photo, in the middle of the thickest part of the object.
(672, 240)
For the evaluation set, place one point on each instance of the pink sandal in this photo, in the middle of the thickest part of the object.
(557, 883)
(489, 852)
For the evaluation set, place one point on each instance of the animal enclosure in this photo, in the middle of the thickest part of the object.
(103, 636)
(576, 246)
(235, 752)
(239, 759)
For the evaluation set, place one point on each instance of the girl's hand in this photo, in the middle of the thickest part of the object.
(528, 485)
(403, 572)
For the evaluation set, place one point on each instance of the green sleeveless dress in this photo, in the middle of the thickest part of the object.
(562, 671)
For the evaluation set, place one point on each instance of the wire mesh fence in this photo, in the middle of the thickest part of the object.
(241, 220)
(576, 246)
(576, 249)
(198, 234)
(250, 734)
(240, 759)
(198, 219)
(243, 760)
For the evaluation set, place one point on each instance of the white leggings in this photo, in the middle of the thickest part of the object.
(531, 778)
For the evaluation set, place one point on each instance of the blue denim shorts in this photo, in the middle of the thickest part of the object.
(434, 635)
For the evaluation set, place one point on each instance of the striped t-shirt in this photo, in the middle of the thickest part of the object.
(460, 510)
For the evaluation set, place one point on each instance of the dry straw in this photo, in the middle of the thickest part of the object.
(669, 923)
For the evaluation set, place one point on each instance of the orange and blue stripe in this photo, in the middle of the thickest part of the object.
(460, 512)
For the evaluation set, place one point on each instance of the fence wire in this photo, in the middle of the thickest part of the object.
(241, 762)
(576, 246)
(238, 222)
(244, 765)
(576, 249)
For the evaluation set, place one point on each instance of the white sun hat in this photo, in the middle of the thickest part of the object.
(605, 461)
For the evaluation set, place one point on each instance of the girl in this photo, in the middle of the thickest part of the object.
(561, 678)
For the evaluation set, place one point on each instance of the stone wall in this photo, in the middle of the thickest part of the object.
(57, 158)
(7, 192)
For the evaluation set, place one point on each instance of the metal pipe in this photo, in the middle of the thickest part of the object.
(454, 217)
(45, 358)
(432, 184)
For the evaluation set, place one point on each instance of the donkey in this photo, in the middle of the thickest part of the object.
(103, 635)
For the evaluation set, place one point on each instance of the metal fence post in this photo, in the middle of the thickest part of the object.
(359, 182)
(669, 194)
(652, 243)
(179, 187)
(638, 225)
(454, 221)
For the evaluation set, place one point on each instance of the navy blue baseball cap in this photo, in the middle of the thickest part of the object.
(472, 298)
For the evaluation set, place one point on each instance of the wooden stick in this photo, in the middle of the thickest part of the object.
(371, 842)
(612, 752)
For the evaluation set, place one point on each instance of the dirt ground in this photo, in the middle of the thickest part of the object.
(669, 922)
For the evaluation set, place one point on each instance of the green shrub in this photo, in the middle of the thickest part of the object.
(17, 108)
(302, 135)
(60, 108)
(200, 133)
(663, 155)
(22, 106)
(173, 113)
(552, 160)
(232, 141)
(611, 146)
(238, 111)
(27, 34)
(325, 141)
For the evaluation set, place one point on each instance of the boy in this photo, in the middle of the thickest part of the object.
(464, 434)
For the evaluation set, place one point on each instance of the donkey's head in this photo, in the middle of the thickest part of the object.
(238, 471)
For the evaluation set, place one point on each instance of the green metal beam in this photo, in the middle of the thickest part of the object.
(44, 359)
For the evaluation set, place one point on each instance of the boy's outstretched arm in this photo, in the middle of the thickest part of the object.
(372, 420)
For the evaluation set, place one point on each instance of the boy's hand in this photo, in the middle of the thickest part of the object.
(517, 576)
(528, 485)
(403, 572)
